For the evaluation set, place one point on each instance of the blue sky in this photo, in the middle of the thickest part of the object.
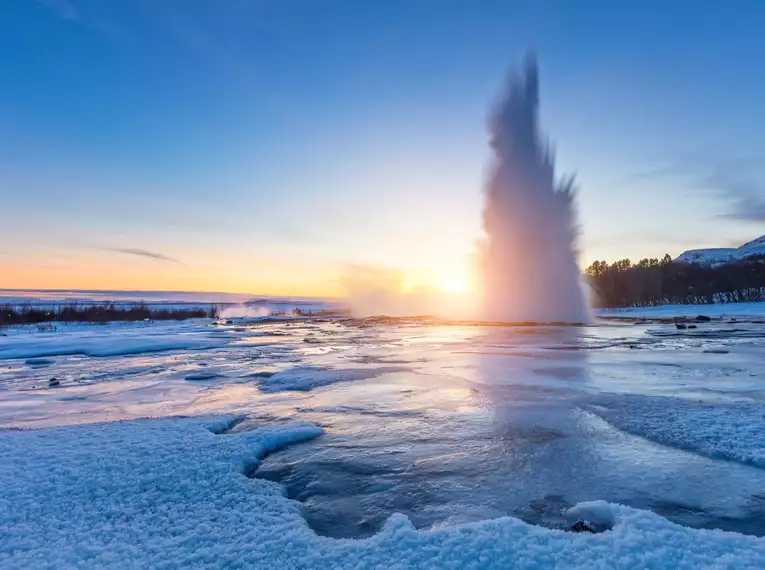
(269, 146)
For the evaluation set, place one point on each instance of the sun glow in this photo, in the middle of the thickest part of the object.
(454, 283)
(447, 289)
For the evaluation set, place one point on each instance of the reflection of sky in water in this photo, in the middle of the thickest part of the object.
(445, 423)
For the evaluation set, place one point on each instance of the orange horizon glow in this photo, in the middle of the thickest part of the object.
(148, 276)
(270, 276)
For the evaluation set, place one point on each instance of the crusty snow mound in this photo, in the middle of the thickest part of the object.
(174, 493)
(734, 432)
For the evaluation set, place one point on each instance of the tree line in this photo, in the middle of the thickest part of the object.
(652, 282)
(99, 313)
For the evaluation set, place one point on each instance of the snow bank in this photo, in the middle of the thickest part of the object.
(171, 493)
(305, 378)
(725, 431)
(669, 311)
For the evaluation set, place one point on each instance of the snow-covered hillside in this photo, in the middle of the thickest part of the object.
(722, 255)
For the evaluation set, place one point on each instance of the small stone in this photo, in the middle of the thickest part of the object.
(680, 326)
(692, 326)
(703, 319)
(54, 382)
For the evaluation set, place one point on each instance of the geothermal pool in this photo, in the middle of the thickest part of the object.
(445, 423)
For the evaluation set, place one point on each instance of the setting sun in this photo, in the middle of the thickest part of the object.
(454, 283)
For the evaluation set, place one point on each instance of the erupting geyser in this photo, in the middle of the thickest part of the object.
(529, 259)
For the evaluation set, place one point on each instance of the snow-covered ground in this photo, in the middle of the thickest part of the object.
(175, 494)
(717, 310)
(355, 444)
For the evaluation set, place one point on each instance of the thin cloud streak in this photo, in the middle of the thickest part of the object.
(144, 253)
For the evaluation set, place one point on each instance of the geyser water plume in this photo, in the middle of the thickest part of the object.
(529, 258)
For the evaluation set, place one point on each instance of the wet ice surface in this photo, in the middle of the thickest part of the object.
(445, 423)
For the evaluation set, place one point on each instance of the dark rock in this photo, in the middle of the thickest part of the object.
(703, 319)
(54, 382)
(692, 327)
(202, 376)
(581, 526)
(39, 361)
(261, 374)
(681, 326)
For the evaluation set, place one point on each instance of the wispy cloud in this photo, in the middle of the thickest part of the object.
(143, 253)
(745, 198)
(740, 188)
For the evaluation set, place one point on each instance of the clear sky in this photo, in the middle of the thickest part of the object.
(273, 146)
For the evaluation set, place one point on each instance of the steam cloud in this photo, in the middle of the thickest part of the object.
(374, 291)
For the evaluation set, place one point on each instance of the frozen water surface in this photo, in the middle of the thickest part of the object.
(446, 423)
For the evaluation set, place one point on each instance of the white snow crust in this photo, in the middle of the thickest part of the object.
(172, 493)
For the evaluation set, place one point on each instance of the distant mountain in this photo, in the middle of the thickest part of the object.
(723, 255)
